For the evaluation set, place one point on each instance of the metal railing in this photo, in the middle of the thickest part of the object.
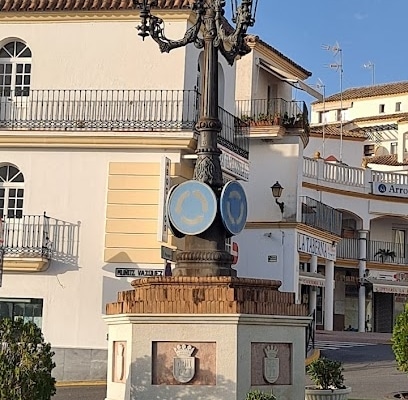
(348, 249)
(115, 110)
(377, 251)
(40, 236)
(387, 252)
(321, 216)
(310, 333)
(273, 112)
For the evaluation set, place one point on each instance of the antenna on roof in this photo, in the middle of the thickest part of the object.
(322, 87)
(371, 65)
(338, 66)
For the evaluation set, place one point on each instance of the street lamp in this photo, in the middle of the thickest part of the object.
(338, 66)
(205, 253)
(277, 190)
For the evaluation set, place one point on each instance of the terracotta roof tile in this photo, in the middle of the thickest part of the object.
(389, 159)
(386, 89)
(334, 130)
(82, 5)
(395, 117)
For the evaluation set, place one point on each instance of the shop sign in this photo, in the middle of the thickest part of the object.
(309, 281)
(390, 289)
(165, 182)
(317, 247)
(234, 165)
(390, 189)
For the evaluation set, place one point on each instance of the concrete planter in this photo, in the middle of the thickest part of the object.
(311, 393)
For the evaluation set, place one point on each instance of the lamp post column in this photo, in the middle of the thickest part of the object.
(205, 254)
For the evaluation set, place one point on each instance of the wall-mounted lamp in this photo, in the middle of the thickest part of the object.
(276, 193)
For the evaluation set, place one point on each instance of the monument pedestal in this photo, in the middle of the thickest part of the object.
(211, 338)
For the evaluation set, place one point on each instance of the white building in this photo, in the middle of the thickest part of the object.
(93, 122)
(96, 124)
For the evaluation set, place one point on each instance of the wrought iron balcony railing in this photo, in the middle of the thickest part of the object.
(290, 114)
(321, 216)
(115, 110)
(33, 236)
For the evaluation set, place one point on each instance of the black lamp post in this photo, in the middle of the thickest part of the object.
(205, 253)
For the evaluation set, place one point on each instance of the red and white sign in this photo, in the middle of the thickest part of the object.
(234, 252)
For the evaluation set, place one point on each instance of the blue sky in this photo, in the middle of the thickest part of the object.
(366, 30)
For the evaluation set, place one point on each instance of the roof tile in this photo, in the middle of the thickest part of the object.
(334, 130)
(82, 5)
(386, 89)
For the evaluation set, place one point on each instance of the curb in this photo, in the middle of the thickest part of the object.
(80, 383)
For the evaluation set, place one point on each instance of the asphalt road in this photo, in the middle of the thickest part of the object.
(80, 393)
(370, 370)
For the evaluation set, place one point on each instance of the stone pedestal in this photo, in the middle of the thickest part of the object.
(211, 338)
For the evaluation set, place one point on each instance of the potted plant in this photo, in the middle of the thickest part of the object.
(385, 254)
(328, 379)
(263, 119)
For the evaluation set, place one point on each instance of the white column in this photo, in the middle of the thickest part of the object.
(329, 295)
(312, 289)
(362, 265)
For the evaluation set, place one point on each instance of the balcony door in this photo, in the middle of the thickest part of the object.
(15, 79)
(11, 204)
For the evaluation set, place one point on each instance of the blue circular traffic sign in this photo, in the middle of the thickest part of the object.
(192, 207)
(233, 207)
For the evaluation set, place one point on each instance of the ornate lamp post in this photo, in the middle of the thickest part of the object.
(205, 253)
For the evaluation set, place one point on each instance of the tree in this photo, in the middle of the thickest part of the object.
(25, 362)
(399, 340)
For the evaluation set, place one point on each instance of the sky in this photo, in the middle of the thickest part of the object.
(367, 31)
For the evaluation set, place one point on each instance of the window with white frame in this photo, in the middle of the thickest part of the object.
(11, 191)
(15, 69)
(394, 148)
(398, 106)
(381, 108)
(29, 310)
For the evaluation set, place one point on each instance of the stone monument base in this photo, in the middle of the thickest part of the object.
(200, 338)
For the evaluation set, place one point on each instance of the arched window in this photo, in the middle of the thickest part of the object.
(11, 191)
(15, 69)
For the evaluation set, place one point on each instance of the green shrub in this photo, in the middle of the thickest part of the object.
(258, 395)
(25, 362)
(326, 374)
(399, 340)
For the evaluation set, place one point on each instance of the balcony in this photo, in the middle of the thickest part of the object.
(321, 216)
(377, 251)
(274, 116)
(344, 177)
(30, 242)
(115, 111)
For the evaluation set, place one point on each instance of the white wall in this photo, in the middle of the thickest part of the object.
(72, 186)
(99, 54)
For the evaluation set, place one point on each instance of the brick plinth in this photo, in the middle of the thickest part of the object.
(205, 295)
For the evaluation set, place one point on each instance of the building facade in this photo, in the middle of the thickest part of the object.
(95, 126)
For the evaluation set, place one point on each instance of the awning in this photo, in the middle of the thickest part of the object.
(311, 279)
(383, 286)
(292, 80)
